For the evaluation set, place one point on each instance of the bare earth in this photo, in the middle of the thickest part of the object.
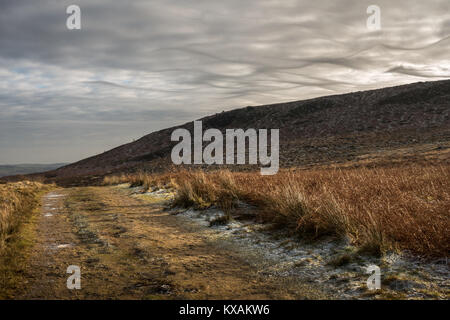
(131, 249)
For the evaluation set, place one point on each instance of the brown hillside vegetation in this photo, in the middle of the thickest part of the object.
(397, 125)
(377, 209)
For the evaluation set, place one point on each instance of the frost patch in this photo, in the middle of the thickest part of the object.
(334, 264)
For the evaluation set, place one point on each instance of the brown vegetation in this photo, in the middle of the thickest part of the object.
(377, 209)
(17, 200)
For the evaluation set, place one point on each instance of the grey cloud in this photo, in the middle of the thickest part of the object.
(168, 61)
(423, 73)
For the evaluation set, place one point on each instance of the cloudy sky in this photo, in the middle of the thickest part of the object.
(139, 66)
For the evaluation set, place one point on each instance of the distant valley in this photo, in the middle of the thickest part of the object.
(16, 169)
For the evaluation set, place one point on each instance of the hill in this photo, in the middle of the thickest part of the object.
(408, 123)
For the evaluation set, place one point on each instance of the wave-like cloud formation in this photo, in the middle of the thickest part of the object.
(144, 65)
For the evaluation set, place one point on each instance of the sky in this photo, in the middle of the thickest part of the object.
(139, 66)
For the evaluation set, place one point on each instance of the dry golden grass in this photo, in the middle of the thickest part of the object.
(405, 208)
(17, 200)
(140, 179)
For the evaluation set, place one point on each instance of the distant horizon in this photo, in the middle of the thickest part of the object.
(27, 168)
(33, 164)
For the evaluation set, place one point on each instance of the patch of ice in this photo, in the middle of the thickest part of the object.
(159, 193)
(50, 208)
(62, 246)
(54, 195)
(288, 256)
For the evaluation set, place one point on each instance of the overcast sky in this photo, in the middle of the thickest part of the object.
(139, 66)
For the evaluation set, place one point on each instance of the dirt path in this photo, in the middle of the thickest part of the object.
(130, 249)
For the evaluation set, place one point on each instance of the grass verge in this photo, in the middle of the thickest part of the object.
(19, 205)
(377, 209)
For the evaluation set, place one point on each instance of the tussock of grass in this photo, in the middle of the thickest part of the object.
(377, 209)
(341, 260)
(222, 220)
(202, 190)
(140, 179)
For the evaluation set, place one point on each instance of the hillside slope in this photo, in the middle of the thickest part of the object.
(376, 127)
